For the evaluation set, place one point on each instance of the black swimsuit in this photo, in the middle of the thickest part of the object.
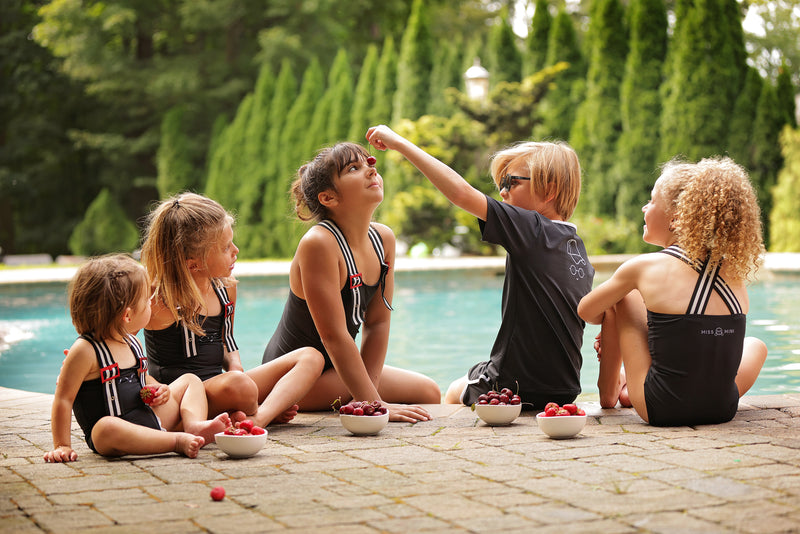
(695, 357)
(296, 328)
(115, 393)
(176, 350)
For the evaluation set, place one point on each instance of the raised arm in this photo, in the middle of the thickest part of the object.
(446, 180)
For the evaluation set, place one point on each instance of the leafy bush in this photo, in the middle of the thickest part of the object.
(104, 229)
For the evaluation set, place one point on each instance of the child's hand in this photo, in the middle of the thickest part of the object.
(64, 453)
(598, 345)
(162, 395)
(381, 137)
(407, 412)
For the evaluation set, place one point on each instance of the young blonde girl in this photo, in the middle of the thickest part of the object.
(189, 254)
(341, 281)
(537, 351)
(105, 369)
(676, 318)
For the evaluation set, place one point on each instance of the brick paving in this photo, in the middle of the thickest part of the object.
(452, 474)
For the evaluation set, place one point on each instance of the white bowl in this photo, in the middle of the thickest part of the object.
(240, 446)
(364, 425)
(561, 426)
(498, 414)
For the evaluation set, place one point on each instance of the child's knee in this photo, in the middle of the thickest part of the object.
(314, 359)
(755, 350)
(239, 386)
(431, 394)
(454, 390)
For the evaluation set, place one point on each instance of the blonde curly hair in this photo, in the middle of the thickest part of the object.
(714, 213)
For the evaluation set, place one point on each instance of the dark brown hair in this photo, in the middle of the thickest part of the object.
(317, 176)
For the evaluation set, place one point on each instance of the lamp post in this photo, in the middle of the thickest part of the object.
(476, 80)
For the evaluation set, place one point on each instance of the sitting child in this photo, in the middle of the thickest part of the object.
(105, 371)
(676, 318)
(537, 352)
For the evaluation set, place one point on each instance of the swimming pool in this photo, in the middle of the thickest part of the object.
(443, 323)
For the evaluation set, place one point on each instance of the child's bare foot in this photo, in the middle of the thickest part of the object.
(288, 415)
(238, 416)
(624, 399)
(188, 444)
(207, 429)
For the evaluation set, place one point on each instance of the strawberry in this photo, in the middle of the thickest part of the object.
(580, 412)
(571, 408)
(246, 424)
(551, 405)
(148, 394)
(550, 412)
(218, 493)
(257, 431)
(562, 412)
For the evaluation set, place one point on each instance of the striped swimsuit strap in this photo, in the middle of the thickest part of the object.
(355, 278)
(109, 369)
(709, 279)
(189, 337)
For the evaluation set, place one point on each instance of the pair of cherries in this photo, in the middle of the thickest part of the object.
(371, 160)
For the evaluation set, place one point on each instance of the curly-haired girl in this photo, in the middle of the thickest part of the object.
(676, 318)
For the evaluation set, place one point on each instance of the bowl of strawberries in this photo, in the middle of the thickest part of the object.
(561, 422)
(363, 418)
(498, 408)
(242, 439)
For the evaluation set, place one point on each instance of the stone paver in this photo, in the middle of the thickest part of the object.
(453, 474)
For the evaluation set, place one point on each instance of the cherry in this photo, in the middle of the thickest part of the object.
(371, 160)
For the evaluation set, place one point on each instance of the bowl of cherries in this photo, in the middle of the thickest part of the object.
(497, 408)
(363, 418)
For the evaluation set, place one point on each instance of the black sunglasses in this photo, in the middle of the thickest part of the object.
(509, 180)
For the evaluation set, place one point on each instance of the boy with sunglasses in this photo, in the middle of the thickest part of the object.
(537, 352)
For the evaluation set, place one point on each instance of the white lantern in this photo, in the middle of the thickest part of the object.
(477, 81)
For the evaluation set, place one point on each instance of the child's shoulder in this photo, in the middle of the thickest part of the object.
(81, 350)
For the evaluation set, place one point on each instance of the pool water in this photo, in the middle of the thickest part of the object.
(443, 323)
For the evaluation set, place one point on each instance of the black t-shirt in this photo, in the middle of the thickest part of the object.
(538, 348)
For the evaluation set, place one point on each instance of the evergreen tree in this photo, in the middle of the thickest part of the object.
(705, 76)
(785, 94)
(637, 149)
(503, 58)
(340, 84)
(767, 159)
(558, 107)
(740, 141)
(785, 215)
(293, 142)
(414, 66)
(223, 183)
(253, 169)
(364, 94)
(597, 124)
(176, 171)
(385, 85)
(284, 95)
(446, 73)
(535, 57)
(104, 229)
